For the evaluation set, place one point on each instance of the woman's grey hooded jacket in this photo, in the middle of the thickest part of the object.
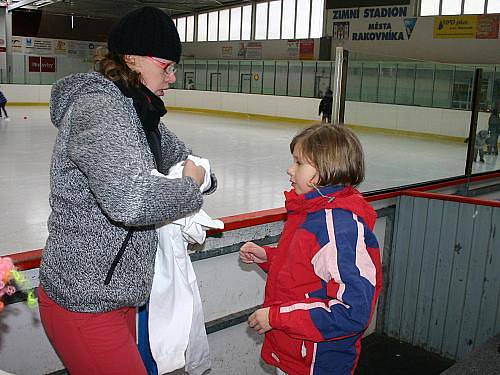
(101, 187)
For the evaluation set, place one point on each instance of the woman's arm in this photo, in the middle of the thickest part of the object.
(105, 145)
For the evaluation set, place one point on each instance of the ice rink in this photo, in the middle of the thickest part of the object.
(249, 157)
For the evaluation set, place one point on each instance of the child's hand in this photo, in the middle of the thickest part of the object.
(259, 320)
(252, 253)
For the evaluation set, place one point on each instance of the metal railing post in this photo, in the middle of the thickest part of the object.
(339, 85)
(473, 121)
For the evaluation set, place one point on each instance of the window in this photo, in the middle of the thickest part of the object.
(202, 27)
(190, 29)
(235, 29)
(274, 20)
(429, 7)
(457, 7)
(246, 24)
(493, 6)
(473, 6)
(451, 7)
(224, 24)
(261, 21)
(302, 23)
(181, 28)
(317, 19)
(213, 25)
(288, 22)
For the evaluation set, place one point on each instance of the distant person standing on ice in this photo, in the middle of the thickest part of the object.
(3, 102)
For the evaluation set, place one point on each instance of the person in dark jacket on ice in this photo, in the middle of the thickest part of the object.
(325, 107)
(3, 103)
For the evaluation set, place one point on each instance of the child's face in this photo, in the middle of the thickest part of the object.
(302, 174)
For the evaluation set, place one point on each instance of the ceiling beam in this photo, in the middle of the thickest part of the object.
(19, 4)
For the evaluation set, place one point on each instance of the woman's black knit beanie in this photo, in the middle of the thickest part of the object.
(147, 31)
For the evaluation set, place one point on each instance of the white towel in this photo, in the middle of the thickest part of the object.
(177, 333)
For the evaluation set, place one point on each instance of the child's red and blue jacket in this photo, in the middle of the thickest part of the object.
(323, 281)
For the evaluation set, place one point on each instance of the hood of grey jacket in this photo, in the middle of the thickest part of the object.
(68, 89)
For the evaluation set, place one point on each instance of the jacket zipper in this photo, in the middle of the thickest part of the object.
(118, 257)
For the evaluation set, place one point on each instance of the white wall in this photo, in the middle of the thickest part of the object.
(445, 122)
(271, 49)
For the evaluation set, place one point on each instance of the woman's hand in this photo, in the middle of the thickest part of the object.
(252, 253)
(195, 172)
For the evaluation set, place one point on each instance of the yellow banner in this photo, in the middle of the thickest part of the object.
(455, 27)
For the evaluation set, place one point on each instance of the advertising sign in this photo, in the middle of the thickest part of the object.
(293, 49)
(306, 49)
(254, 50)
(227, 52)
(34, 64)
(447, 27)
(37, 64)
(48, 64)
(487, 26)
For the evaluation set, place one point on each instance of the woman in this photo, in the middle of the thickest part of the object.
(98, 263)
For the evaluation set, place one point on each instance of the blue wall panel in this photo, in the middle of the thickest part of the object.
(444, 279)
(429, 266)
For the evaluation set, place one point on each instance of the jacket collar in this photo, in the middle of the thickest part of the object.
(330, 197)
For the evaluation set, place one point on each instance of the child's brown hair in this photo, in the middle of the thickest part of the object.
(335, 151)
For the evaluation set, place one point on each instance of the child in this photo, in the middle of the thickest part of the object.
(325, 107)
(324, 277)
(481, 141)
(3, 103)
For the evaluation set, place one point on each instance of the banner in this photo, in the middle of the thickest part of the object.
(448, 27)
(34, 64)
(254, 50)
(227, 52)
(487, 26)
(61, 47)
(37, 64)
(48, 64)
(293, 49)
(306, 49)
(373, 23)
(17, 44)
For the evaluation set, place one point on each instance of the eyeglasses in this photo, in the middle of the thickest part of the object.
(169, 68)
